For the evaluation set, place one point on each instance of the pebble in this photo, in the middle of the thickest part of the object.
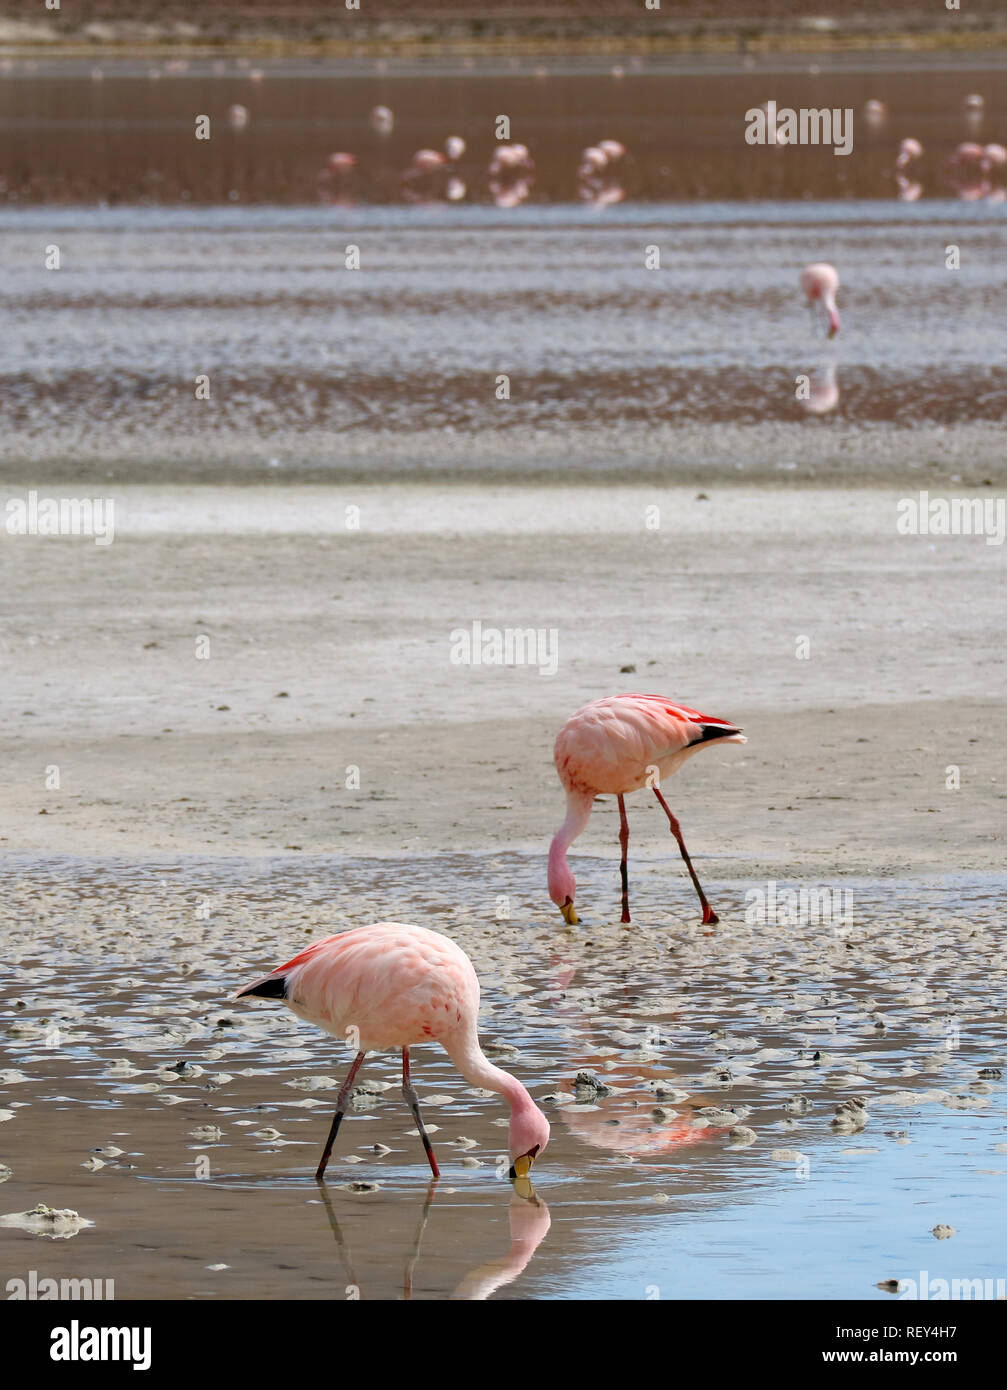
(850, 1116)
(58, 1223)
(585, 1081)
(942, 1231)
(741, 1136)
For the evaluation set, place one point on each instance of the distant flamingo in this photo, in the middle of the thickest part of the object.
(382, 120)
(820, 283)
(428, 161)
(511, 174)
(393, 986)
(968, 171)
(614, 746)
(612, 149)
(823, 391)
(909, 150)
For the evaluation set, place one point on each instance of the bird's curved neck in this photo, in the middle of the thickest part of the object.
(578, 812)
(470, 1060)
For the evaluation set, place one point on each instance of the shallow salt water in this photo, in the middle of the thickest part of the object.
(122, 1045)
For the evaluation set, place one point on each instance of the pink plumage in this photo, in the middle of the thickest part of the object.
(614, 746)
(392, 985)
(820, 283)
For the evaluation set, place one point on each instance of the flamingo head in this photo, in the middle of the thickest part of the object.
(529, 1134)
(833, 320)
(562, 886)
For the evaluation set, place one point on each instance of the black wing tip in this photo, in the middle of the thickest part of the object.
(274, 987)
(711, 731)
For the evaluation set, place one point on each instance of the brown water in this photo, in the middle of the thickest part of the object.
(117, 131)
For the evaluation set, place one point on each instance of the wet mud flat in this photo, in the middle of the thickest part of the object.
(614, 371)
(714, 1095)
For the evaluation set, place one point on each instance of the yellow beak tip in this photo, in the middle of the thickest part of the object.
(569, 914)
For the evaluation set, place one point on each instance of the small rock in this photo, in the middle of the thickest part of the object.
(585, 1081)
(741, 1136)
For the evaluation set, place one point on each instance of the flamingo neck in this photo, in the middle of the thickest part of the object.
(578, 812)
(470, 1060)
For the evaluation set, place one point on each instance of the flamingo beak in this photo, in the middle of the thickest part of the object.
(521, 1167)
(569, 913)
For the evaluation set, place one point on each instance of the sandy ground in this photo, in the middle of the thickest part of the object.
(570, 26)
(329, 651)
(185, 1128)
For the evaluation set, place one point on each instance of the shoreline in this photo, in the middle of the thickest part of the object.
(382, 40)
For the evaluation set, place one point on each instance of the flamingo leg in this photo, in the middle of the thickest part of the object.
(342, 1100)
(407, 1278)
(413, 1101)
(344, 1250)
(624, 866)
(709, 916)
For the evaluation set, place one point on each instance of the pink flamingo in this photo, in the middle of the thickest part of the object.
(392, 986)
(382, 120)
(820, 283)
(617, 745)
(529, 1226)
(824, 391)
(428, 161)
(909, 150)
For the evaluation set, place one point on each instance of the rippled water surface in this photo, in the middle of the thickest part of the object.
(119, 1031)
